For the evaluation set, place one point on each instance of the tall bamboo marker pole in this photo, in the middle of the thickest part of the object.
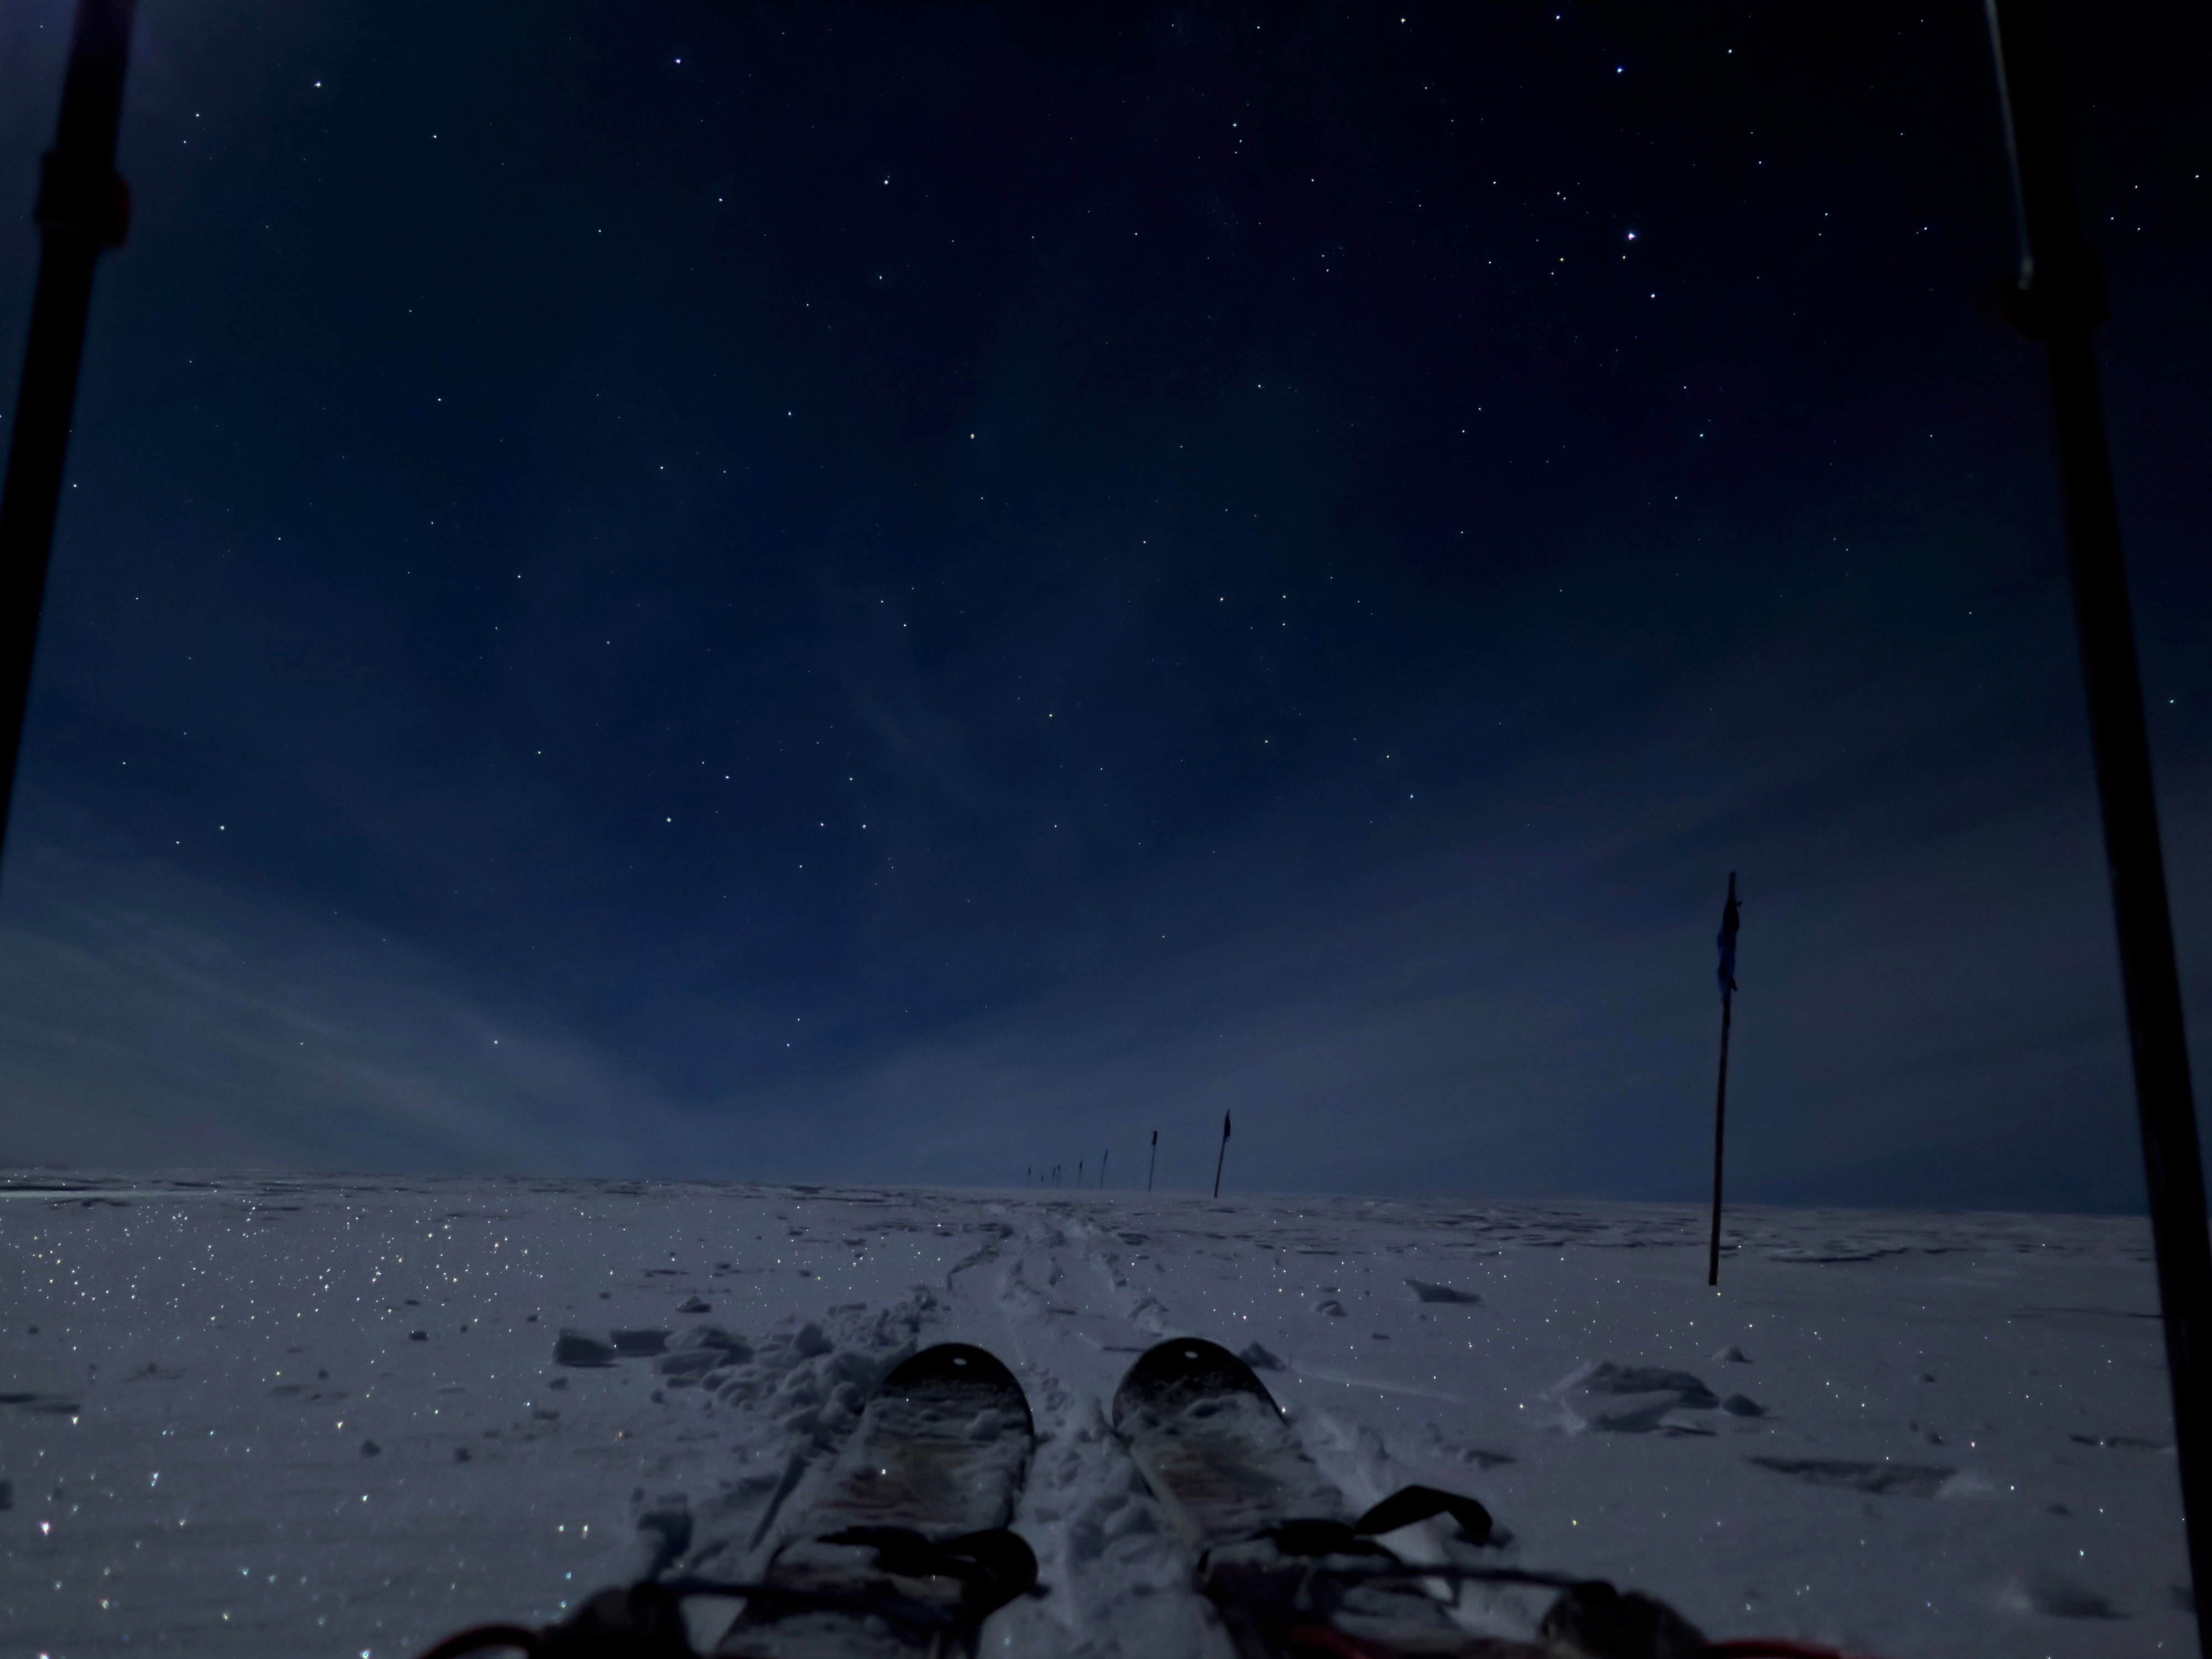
(1727, 941)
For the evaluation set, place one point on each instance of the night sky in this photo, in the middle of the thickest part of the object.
(912, 591)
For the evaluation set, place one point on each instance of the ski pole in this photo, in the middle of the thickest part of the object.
(83, 207)
(2060, 299)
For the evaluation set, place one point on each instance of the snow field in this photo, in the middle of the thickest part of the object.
(265, 1415)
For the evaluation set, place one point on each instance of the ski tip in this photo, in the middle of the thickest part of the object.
(960, 1364)
(1185, 1368)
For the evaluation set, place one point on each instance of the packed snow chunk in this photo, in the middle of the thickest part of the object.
(1428, 1292)
(692, 1305)
(1255, 1356)
(689, 1364)
(856, 1370)
(634, 1344)
(1743, 1405)
(574, 1348)
(1633, 1400)
(734, 1349)
(1887, 1479)
(1732, 1355)
(1609, 1378)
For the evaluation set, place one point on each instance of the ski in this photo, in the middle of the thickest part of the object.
(902, 1549)
(1294, 1574)
(897, 1549)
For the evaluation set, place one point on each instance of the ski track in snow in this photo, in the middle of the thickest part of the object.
(279, 1415)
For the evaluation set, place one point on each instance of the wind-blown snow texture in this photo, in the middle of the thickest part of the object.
(282, 1416)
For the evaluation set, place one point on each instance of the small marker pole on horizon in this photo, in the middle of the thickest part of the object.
(1223, 1158)
(1152, 1166)
(1103, 1156)
(1079, 1175)
(1728, 924)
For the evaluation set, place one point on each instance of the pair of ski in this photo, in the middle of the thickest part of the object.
(904, 1550)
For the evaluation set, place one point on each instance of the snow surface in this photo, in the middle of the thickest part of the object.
(261, 1415)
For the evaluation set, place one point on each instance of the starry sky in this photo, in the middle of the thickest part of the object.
(913, 592)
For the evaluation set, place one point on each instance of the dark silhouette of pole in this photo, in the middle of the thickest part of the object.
(1727, 942)
(1224, 1156)
(83, 207)
(1103, 1156)
(1152, 1166)
(2059, 299)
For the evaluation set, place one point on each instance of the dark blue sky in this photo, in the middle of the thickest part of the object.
(911, 591)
